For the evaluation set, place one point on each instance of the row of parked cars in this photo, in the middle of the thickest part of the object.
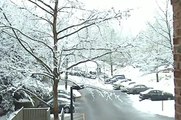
(63, 101)
(81, 73)
(64, 98)
(131, 87)
(116, 79)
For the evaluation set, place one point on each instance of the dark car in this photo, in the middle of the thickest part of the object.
(156, 95)
(114, 79)
(62, 102)
(136, 89)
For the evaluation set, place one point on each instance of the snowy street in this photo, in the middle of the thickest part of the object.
(98, 107)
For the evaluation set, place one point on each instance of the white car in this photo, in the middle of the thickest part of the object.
(120, 81)
(128, 84)
(124, 86)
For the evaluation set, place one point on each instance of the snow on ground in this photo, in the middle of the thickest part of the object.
(165, 108)
(91, 82)
(3, 117)
(166, 83)
(52, 117)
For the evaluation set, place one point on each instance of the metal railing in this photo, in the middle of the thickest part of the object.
(62, 114)
(33, 114)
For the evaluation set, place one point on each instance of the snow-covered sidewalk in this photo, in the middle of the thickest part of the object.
(165, 108)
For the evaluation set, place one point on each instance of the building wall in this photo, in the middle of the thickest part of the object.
(177, 55)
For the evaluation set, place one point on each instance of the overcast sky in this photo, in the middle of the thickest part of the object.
(143, 11)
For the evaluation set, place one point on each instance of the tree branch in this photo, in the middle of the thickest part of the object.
(28, 37)
(40, 7)
(42, 18)
(88, 60)
(46, 4)
(73, 49)
(96, 21)
(19, 40)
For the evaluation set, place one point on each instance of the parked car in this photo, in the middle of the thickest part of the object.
(62, 95)
(156, 95)
(62, 102)
(118, 87)
(121, 86)
(136, 89)
(76, 93)
(114, 79)
(120, 81)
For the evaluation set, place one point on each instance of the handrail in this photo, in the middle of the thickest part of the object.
(62, 114)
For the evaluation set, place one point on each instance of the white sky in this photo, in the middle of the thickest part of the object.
(143, 11)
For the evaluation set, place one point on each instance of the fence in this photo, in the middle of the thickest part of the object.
(33, 114)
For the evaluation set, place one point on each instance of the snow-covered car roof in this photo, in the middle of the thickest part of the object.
(64, 100)
(76, 93)
(147, 91)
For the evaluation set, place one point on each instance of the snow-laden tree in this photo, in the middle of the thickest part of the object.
(154, 46)
(110, 40)
(49, 31)
(17, 66)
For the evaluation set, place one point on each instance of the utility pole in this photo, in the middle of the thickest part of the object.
(71, 98)
(71, 103)
(157, 80)
(66, 73)
(111, 64)
(112, 32)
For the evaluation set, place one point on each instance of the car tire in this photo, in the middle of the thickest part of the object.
(134, 92)
(2, 112)
(66, 110)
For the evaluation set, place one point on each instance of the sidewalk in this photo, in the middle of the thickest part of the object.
(77, 116)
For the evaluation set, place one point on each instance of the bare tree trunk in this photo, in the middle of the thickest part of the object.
(55, 94)
(55, 63)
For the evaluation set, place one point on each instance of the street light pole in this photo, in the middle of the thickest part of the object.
(71, 98)
(71, 103)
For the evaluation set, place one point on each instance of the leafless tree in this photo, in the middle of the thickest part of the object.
(55, 15)
(163, 24)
